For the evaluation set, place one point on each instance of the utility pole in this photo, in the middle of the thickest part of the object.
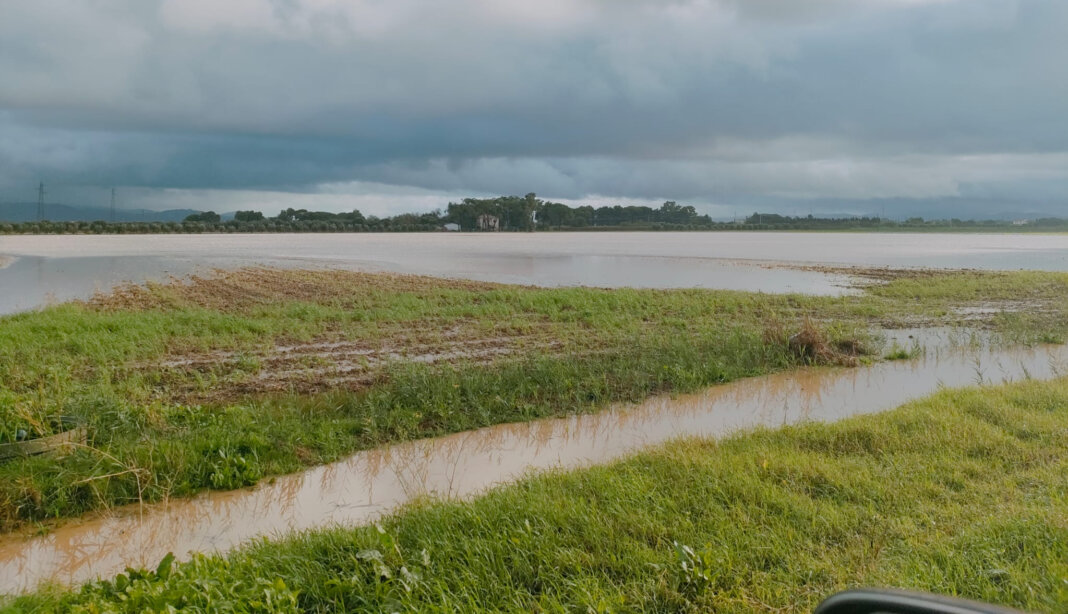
(40, 202)
(112, 205)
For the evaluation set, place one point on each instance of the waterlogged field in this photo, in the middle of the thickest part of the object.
(51, 268)
(218, 382)
(960, 494)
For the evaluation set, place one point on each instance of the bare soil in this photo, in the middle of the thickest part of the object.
(246, 289)
(864, 275)
(351, 356)
(321, 366)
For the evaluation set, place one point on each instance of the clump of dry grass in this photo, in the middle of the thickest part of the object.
(812, 345)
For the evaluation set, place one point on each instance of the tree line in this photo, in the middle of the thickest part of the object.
(512, 213)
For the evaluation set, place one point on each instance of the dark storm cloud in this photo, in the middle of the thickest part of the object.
(716, 101)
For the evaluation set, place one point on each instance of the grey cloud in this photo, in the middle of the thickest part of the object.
(712, 100)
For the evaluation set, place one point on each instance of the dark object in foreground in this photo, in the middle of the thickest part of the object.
(72, 435)
(869, 601)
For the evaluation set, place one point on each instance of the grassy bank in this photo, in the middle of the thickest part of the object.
(962, 493)
(219, 382)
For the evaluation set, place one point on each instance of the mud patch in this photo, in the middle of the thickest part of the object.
(245, 289)
(862, 276)
(315, 367)
(986, 311)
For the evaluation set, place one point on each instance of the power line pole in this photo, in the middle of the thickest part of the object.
(40, 202)
(112, 205)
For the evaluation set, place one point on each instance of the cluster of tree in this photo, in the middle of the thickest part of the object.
(529, 212)
(786, 222)
(512, 212)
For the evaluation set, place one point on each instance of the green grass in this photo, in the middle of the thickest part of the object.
(962, 494)
(161, 431)
(896, 351)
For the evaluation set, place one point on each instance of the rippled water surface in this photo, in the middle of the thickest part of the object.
(368, 484)
(50, 268)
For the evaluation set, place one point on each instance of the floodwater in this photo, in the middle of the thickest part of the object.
(56, 267)
(31, 282)
(369, 484)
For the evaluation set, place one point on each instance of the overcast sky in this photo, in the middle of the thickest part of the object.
(950, 107)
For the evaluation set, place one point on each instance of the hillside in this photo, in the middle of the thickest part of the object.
(56, 212)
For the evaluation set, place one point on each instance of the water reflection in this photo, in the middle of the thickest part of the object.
(368, 484)
(30, 282)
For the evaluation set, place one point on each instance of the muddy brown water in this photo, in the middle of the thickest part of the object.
(58, 267)
(369, 484)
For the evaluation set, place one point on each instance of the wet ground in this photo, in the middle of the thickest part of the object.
(51, 268)
(369, 484)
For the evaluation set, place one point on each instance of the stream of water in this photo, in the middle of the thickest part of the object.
(368, 484)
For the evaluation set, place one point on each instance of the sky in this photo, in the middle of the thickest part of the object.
(941, 108)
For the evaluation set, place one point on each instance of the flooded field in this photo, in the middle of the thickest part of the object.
(368, 484)
(52, 268)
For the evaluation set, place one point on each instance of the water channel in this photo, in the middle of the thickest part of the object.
(368, 484)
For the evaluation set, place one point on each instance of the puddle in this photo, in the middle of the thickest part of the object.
(369, 484)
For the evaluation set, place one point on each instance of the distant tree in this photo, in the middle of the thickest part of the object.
(557, 215)
(355, 217)
(208, 217)
(286, 215)
(248, 216)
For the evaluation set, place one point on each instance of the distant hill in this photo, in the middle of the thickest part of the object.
(56, 212)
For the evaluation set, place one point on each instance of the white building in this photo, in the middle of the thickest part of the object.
(489, 222)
